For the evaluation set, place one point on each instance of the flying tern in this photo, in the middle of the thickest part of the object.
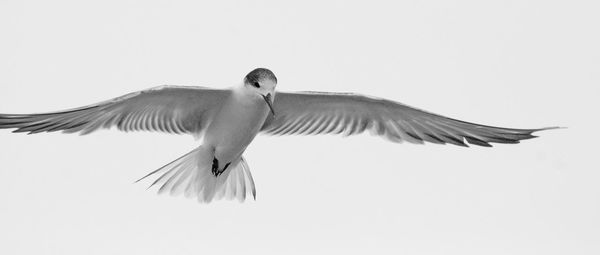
(226, 121)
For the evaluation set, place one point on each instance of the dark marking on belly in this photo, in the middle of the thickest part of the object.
(225, 168)
(215, 167)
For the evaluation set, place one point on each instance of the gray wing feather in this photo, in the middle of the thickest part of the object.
(349, 114)
(170, 109)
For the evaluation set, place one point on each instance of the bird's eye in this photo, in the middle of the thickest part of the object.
(255, 84)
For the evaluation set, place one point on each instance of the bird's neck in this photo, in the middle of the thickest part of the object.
(243, 94)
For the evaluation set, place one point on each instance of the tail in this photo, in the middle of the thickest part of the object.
(192, 176)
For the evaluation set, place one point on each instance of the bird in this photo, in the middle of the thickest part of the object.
(226, 121)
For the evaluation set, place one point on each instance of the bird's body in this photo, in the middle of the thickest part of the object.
(227, 120)
(235, 125)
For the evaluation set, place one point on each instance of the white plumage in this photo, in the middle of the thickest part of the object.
(227, 120)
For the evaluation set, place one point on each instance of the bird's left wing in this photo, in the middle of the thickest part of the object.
(349, 114)
(171, 109)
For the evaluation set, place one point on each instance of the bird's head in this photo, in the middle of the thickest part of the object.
(262, 81)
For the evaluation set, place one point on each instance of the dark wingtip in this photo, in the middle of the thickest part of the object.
(547, 128)
(530, 136)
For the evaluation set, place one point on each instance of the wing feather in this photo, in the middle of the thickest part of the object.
(170, 109)
(311, 113)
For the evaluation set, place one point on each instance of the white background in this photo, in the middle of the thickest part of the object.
(523, 64)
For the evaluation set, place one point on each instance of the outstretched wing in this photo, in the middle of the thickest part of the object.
(172, 109)
(349, 114)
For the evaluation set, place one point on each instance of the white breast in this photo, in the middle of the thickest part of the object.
(236, 125)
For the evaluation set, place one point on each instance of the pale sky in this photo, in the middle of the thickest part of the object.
(522, 64)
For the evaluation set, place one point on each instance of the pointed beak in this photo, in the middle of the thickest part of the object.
(269, 101)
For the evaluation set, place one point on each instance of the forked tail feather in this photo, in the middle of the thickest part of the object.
(191, 175)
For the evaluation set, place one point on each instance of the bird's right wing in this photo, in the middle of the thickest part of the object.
(171, 109)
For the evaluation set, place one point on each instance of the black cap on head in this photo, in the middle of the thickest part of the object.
(260, 74)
